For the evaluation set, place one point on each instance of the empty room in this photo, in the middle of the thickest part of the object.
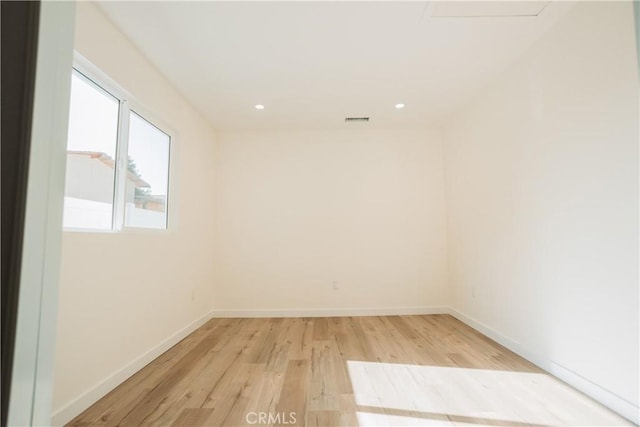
(323, 214)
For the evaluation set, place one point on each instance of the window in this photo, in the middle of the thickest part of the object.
(105, 188)
(148, 167)
(91, 150)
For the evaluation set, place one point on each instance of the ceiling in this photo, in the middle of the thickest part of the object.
(311, 64)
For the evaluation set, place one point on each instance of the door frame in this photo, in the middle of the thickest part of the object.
(31, 388)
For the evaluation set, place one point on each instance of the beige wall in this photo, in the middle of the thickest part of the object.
(542, 179)
(297, 211)
(122, 294)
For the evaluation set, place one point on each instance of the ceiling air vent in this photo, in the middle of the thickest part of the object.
(356, 119)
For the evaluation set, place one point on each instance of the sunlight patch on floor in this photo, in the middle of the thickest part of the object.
(375, 419)
(402, 394)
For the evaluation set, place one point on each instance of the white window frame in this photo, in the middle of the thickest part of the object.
(127, 104)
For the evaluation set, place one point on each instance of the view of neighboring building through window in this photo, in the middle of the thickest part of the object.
(148, 159)
(94, 176)
(91, 150)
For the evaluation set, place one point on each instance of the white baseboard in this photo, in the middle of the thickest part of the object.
(330, 312)
(607, 398)
(74, 408)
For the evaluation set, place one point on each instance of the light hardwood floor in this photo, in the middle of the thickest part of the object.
(343, 371)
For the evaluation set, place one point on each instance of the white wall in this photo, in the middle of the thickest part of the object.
(542, 180)
(124, 294)
(297, 211)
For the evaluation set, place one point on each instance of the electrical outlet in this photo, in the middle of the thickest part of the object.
(335, 285)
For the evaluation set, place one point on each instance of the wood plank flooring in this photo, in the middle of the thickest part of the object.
(342, 371)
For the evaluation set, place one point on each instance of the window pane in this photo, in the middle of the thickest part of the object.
(91, 150)
(147, 177)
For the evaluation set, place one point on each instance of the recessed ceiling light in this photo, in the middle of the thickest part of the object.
(399, 106)
(259, 107)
